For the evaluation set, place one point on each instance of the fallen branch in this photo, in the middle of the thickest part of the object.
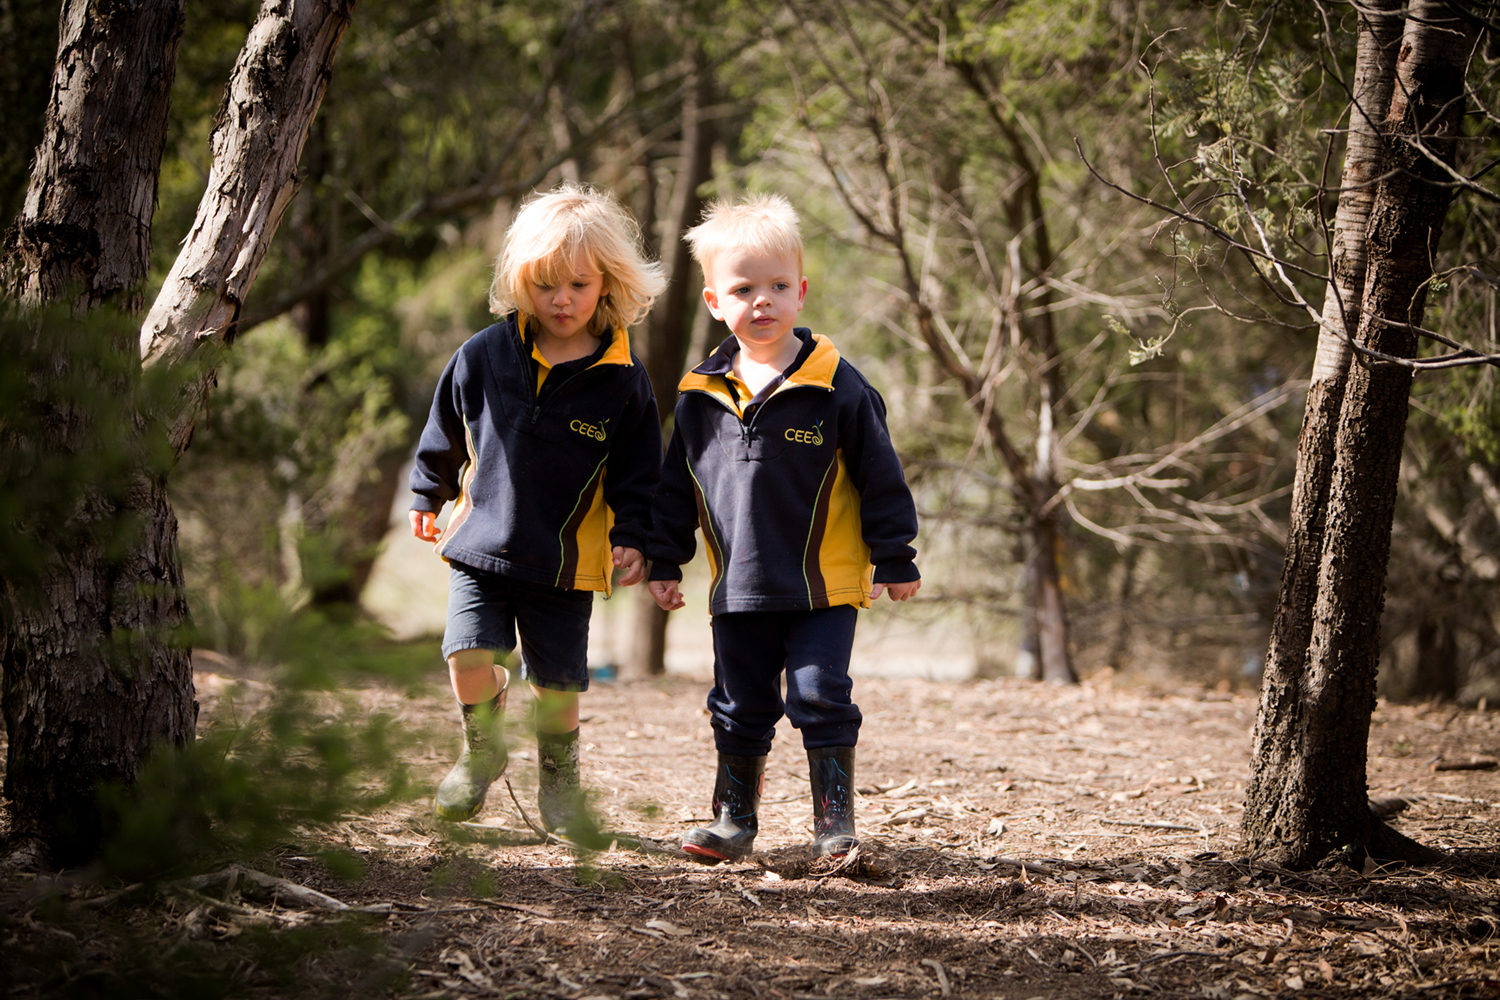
(1473, 764)
(281, 886)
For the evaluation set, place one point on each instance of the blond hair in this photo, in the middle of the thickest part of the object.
(551, 229)
(760, 223)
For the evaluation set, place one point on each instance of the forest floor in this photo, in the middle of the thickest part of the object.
(1018, 841)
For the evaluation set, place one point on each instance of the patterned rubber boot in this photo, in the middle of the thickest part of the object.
(737, 788)
(832, 772)
(559, 793)
(462, 792)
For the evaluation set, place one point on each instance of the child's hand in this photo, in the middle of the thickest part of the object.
(632, 562)
(898, 591)
(424, 525)
(666, 593)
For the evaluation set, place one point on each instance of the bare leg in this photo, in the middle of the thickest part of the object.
(480, 690)
(556, 711)
(474, 676)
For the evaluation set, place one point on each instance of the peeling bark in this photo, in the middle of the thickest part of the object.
(86, 220)
(274, 92)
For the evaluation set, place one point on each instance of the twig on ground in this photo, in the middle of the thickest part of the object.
(1023, 865)
(536, 829)
(1152, 825)
(942, 976)
(848, 861)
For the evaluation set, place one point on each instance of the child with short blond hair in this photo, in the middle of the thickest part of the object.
(544, 433)
(780, 455)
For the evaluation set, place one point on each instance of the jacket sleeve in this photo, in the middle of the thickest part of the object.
(887, 513)
(631, 471)
(442, 450)
(674, 515)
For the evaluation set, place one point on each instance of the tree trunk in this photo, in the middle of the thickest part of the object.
(1308, 797)
(86, 220)
(1050, 613)
(273, 94)
(670, 329)
(93, 680)
(1276, 738)
(1437, 660)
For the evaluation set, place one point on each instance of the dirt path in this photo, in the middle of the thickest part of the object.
(1019, 842)
(1123, 804)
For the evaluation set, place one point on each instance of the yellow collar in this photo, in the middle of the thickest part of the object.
(816, 371)
(617, 353)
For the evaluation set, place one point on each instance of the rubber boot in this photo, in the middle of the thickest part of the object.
(559, 793)
(462, 792)
(832, 772)
(737, 789)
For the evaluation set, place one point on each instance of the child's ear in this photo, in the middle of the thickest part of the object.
(711, 299)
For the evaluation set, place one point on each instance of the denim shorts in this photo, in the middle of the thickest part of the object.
(486, 611)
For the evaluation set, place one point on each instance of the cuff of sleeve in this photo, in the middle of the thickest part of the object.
(626, 539)
(426, 504)
(900, 571)
(663, 570)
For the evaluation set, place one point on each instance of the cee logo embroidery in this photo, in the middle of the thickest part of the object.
(814, 436)
(595, 431)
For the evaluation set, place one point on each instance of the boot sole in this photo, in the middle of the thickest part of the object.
(835, 849)
(456, 815)
(706, 855)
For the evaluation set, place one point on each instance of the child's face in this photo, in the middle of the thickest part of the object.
(565, 309)
(757, 295)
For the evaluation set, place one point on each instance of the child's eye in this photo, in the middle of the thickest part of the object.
(742, 290)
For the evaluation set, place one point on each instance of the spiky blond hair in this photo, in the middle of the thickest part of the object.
(762, 223)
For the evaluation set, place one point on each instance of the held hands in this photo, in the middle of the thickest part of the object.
(898, 591)
(632, 562)
(424, 525)
(668, 596)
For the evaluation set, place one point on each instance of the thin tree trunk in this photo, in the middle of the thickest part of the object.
(92, 680)
(278, 82)
(670, 330)
(1322, 806)
(1437, 660)
(1276, 742)
(1050, 609)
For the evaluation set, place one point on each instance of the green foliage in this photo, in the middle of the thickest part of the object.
(76, 437)
(28, 36)
(245, 787)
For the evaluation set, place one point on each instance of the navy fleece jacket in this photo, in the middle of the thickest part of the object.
(796, 502)
(545, 483)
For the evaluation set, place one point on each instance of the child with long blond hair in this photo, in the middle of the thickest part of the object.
(544, 433)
